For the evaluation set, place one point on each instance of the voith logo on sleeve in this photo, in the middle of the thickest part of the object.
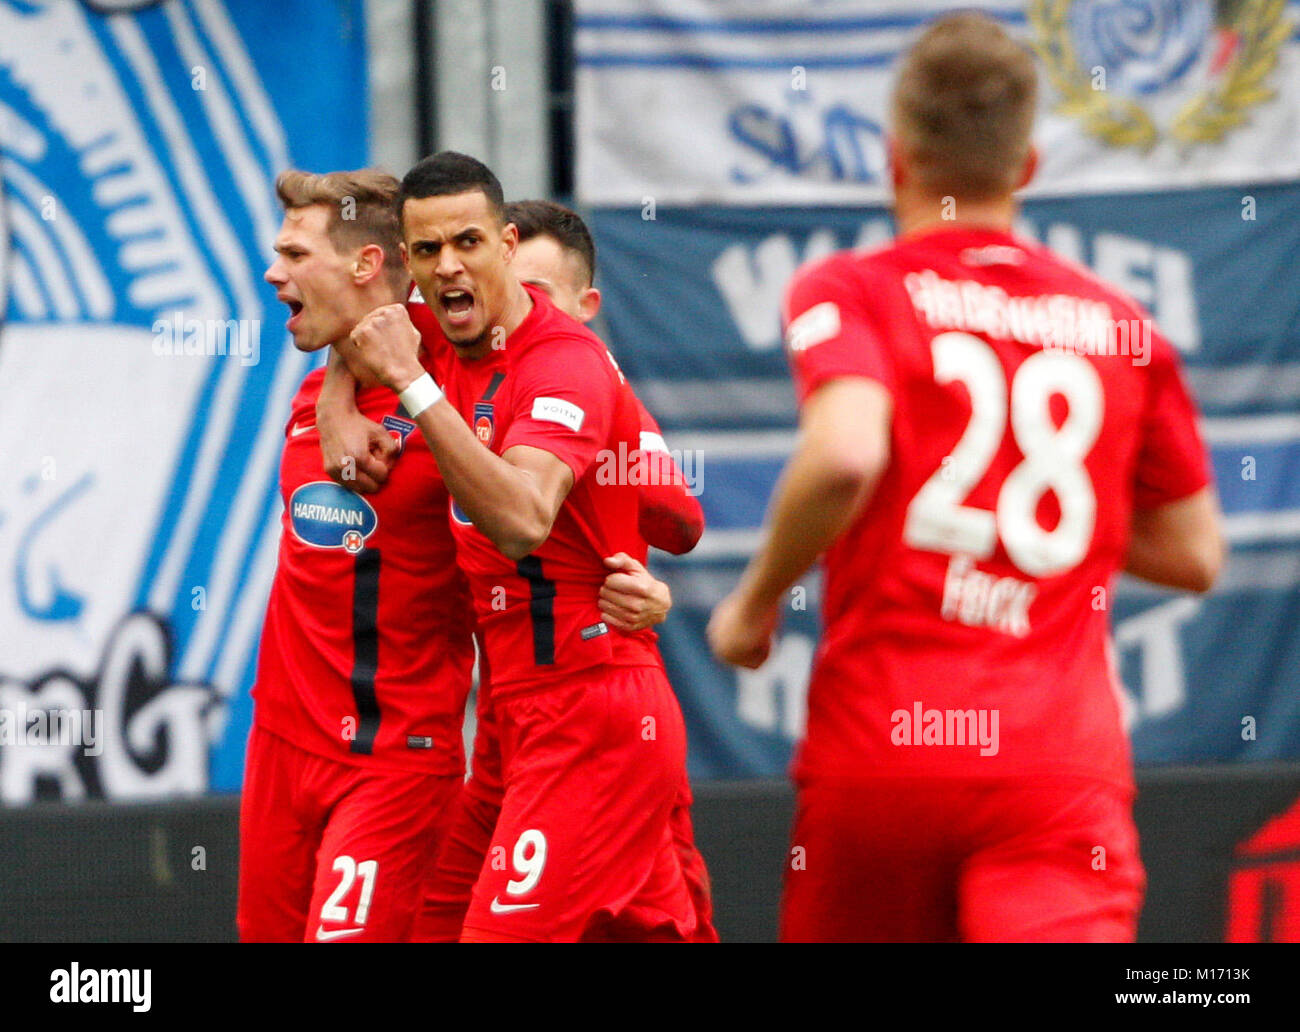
(325, 515)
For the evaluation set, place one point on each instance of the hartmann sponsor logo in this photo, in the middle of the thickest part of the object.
(102, 985)
(325, 515)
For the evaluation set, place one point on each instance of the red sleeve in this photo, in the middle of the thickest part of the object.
(435, 351)
(565, 394)
(670, 516)
(831, 330)
(1172, 459)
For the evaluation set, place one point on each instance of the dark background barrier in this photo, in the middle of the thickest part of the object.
(1221, 847)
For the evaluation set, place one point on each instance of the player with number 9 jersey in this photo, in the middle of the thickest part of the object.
(591, 737)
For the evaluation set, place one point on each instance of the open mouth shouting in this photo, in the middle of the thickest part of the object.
(457, 305)
(295, 310)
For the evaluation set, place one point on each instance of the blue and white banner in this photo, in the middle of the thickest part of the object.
(1207, 678)
(145, 373)
(759, 102)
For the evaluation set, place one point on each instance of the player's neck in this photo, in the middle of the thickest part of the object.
(915, 214)
(517, 306)
(348, 350)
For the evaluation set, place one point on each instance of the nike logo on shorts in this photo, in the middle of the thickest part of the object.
(338, 933)
(509, 908)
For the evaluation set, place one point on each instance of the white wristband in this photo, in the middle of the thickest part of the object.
(421, 394)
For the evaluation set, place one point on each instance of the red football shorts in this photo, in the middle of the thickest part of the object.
(583, 847)
(448, 889)
(935, 859)
(331, 851)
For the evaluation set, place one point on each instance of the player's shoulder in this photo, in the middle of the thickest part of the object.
(309, 390)
(1074, 277)
(852, 275)
(302, 409)
(844, 268)
(556, 339)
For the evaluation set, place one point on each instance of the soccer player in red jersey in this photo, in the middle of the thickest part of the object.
(366, 653)
(557, 255)
(592, 741)
(988, 434)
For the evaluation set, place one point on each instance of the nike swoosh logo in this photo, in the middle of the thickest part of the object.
(301, 428)
(338, 933)
(510, 908)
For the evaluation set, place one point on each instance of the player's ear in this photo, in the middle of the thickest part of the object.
(368, 264)
(897, 164)
(1030, 167)
(406, 255)
(509, 240)
(589, 303)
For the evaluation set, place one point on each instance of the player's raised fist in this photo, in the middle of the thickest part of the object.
(357, 451)
(739, 636)
(388, 344)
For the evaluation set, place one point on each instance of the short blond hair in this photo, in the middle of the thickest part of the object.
(363, 210)
(963, 107)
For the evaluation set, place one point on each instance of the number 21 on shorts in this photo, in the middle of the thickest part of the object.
(367, 870)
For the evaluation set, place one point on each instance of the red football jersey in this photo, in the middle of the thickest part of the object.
(554, 386)
(966, 609)
(366, 654)
(670, 515)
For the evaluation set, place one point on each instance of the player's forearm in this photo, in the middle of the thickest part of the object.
(338, 391)
(1179, 545)
(813, 504)
(504, 502)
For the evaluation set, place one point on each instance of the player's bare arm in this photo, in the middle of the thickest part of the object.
(631, 598)
(1179, 545)
(356, 451)
(842, 450)
(512, 498)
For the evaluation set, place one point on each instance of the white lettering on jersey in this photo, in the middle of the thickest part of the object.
(556, 410)
(980, 599)
(816, 326)
(1054, 322)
